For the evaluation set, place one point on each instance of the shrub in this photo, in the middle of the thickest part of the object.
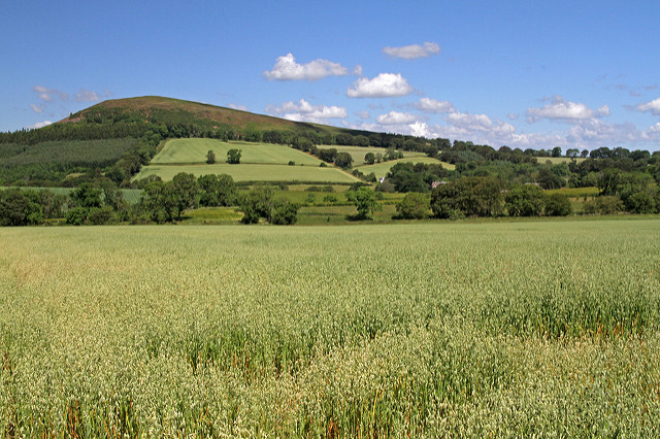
(558, 205)
(413, 206)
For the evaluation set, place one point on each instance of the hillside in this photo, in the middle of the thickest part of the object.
(157, 109)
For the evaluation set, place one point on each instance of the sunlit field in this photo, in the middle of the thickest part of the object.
(502, 329)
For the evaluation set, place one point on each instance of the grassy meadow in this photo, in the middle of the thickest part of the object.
(502, 329)
(194, 151)
(381, 169)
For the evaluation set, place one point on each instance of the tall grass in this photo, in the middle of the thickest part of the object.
(502, 329)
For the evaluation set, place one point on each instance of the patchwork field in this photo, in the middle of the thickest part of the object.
(381, 169)
(246, 172)
(194, 151)
(496, 329)
(358, 152)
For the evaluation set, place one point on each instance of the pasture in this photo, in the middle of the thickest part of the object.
(194, 151)
(502, 329)
(358, 152)
(381, 169)
(250, 172)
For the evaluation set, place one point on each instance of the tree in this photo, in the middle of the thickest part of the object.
(217, 190)
(328, 155)
(525, 200)
(284, 213)
(344, 160)
(185, 192)
(558, 205)
(257, 204)
(234, 156)
(365, 201)
(87, 196)
(370, 158)
(556, 151)
(210, 157)
(414, 206)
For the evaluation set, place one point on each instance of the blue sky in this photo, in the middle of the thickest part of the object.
(575, 74)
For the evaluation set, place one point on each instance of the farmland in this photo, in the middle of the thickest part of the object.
(247, 172)
(437, 329)
(381, 169)
(193, 151)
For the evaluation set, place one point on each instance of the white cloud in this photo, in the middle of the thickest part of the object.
(287, 69)
(87, 96)
(382, 86)
(364, 114)
(433, 106)
(36, 108)
(413, 51)
(565, 111)
(49, 94)
(396, 118)
(304, 111)
(40, 124)
(237, 107)
(653, 107)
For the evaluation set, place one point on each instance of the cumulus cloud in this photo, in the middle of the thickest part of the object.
(565, 111)
(40, 124)
(287, 69)
(304, 111)
(396, 118)
(653, 107)
(88, 96)
(433, 106)
(413, 51)
(237, 107)
(382, 86)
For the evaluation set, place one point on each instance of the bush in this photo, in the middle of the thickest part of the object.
(284, 213)
(527, 200)
(641, 202)
(99, 216)
(76, 216)
(604, 205)
(558, 205)
(413, 206)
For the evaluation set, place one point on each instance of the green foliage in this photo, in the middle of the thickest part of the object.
(365, 201)
(217, 190)
(185, 193)
(210, 157)
(604, 205)
(525, 200)
(258, 203)
(234, 156)
(641, 202)
(77, 216)
(369, 158)
(468, 196)
(284, 213)
(343, 160)
(413, 206)
(558, 205)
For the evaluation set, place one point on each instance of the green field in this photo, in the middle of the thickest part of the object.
(558, 160)
(495, 329)
(193, 151)
(381, 169)
(358, 152)
(247, 172)
(132, 196)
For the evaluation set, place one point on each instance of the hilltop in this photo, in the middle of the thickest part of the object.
(158, 109)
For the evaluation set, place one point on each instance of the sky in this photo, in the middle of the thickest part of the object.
(575, 74)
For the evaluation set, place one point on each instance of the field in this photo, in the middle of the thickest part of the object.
(193, 151)
(494, 329)
(358, 152)
(246, 172)
(381, 169)
(559, 160)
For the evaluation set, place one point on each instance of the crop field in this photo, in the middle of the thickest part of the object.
(247, 172)
(381, 169)
(193, 151)
(358, 152)
(513, 329)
